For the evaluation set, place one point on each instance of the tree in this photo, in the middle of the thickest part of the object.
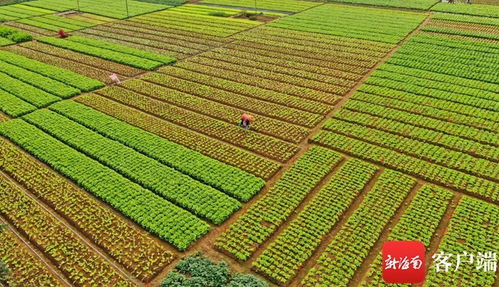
(4, 270)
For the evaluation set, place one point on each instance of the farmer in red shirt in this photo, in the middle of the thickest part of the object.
(246, 120)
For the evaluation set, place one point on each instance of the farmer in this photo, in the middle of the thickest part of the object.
(246, 121)
(62, 34)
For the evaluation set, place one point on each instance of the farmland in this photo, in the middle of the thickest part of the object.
(122, 161)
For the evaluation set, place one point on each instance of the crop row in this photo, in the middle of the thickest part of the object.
(466, 132)
(319, 89)
(67, 77)
(286, 255)
(27, 269)
(280, 112)
(158, 216)
(213, 148)
(320, 41)
(251, 229)
(110, 51)
(307, 71)
(125, 37)
(18, 11)
(67, 64)
(449, 142)
(84, 59)
(11, 35)
(235, 85)
(70, 253)
(14, 106)
(228, 179)
(3, 117)
(354, 22)
(129, 246)
(359, 55)
(344, 55)
(33, 31)
(465, 19)
(411, 165)
(303, 58)
(464, 29)
(265, 125)
(400, 100)
(90, 18)
(44, 83)
(477, 10)
(262, 81)
(465, 45)
(26, 92)
(266, 145)
(170, 41)
(420, 149)
(168, 183)
(473, 88)
(439, 91)
(338, 263)
(472, 229)
(279, 5)
(418, 223)
(55, 23)
(106, 8)
(419, 4)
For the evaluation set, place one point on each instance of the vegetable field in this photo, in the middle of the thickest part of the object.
(124, 160)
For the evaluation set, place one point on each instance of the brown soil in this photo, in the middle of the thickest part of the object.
(259, 18)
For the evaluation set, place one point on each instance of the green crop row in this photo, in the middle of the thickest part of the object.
(249, 162)
(420, 149)
(472, 229)
(465, 19)
(410, 4)
(339, 262)
(265, 125)
(251, 229)
(438, 109)
(331, 67)
(475, 134)
(411, 165)
(283, 113)
(233, 85)
(108, 8)
(55, 23)
(463, 32)
(129, 246)
(26, 92)
(18, 11)
(44, 83)
(14, 106)
(70, 253)
(11, 35)
(278, 5)
(110, 51)
(418, 223)
(426, 135)
(475, 9)
(473, 88)
(258, 79)
(463, 44)
(262, 144)
(67, 77)
(354, 22)
(85, 59)
(28, 269)
(158, 216)
(228, 179)
(311, 89)
(284, 257)
(168, 183)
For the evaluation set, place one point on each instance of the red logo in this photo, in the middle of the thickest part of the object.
(403, 262)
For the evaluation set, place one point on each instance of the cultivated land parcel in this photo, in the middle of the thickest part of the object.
(376, 120)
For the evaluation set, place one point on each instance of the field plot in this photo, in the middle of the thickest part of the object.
(10, 36)
(426, 103)
(19, 11)
(463, 25)
(28, 84)
(184, 19)
(277, 5)
(109, 8)
(56, 23)
(476, 10)
(411, 4)
(354, 22)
